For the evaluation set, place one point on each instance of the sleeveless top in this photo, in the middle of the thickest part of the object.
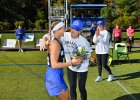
(61, 53)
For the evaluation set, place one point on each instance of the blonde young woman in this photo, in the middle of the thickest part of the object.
(54, 80)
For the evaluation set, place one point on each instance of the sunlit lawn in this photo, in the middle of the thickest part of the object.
(22, 78)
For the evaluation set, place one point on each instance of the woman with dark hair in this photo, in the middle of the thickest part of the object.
(130, 37)
(117, 34)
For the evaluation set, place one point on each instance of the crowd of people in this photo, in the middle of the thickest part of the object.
(61, 44)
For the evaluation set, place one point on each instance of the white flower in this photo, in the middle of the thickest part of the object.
(80, 49)
(79, 52)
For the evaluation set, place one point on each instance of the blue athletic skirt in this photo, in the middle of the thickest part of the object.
(19, 37)
(54, 81)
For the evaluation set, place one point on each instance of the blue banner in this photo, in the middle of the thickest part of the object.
(87, 21)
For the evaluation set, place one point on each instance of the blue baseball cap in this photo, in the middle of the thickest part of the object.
(100, 23)
(77, 25)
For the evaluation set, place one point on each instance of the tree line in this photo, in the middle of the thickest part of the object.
(33, 14)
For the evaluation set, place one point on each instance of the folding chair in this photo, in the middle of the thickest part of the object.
(121, 51)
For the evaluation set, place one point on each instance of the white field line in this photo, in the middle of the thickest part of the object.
(130, 94)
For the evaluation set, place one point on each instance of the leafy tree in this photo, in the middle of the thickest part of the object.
(40, 14)
(127, 12)
(122, 12)
(40, 24)
(17, 23)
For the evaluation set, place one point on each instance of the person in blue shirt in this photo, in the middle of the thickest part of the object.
(54, 80)
(92, 32)
(20, 34)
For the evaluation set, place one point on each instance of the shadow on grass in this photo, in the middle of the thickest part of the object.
(128, 97)
(135, 51)
(119, 62)
(128, 76)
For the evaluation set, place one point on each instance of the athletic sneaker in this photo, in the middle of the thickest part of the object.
(98, 79)
(110, 78)
(21, 50)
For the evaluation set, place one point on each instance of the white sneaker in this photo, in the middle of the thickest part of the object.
(110, 78)
(21, 50)
(98, 79)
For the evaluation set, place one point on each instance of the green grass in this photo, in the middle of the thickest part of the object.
(26, 82)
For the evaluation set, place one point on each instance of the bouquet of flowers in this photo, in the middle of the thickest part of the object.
(79, 52)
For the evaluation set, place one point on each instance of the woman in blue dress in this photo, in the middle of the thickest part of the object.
(54, 80)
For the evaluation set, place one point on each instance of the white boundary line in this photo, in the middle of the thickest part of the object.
(130, 94)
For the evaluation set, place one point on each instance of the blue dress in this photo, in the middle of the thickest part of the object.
(54, 80)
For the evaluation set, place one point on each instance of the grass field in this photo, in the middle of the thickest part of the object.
(22, 78)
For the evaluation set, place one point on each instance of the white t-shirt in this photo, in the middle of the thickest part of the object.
(70, 44)
(102, 42)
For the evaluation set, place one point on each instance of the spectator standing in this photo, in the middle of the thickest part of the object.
(101, 39)
(20, 34)
(117, 34)
(130, 37)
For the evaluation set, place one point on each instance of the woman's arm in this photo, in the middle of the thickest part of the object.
(45, 39)
(54, 56)
(95, 37)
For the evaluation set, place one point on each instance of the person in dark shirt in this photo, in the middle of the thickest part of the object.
(92, 32)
